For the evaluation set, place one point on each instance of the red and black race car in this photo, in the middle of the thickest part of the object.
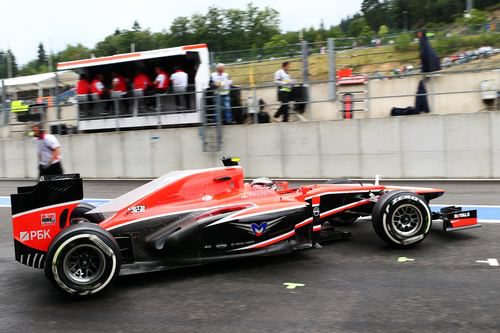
(194, 217)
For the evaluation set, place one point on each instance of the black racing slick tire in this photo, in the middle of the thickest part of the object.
(79, 214)
(83, 260)
(401, 218)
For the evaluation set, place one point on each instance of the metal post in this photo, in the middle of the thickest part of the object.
(332, 73)
(219, 122)
(158, 109)
(9, 65)
(212, 59)
(56, 96)
(116, 105)
(256, 107)
(5, 108)
(305, 70)
(405, 21)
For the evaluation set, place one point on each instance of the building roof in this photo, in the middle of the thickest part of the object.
(39, 81)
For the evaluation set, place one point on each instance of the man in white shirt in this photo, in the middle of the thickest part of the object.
(285, 85)
(48, 152)
(222, 84)
(179, 81)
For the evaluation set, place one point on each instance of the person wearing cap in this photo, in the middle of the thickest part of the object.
(222, 85)
(285, 85)
(48, 152)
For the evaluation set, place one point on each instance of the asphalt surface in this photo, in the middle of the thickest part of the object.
(356, 285)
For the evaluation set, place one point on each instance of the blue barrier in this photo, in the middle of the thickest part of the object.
(485, 213)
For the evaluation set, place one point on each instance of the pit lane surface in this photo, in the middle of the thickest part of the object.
(359, 285)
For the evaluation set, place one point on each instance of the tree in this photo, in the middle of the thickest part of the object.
(72, 52)
(179, 29)
(136, 26)
(375, 13)
(357, 26)
(42, 55)
(8, 64)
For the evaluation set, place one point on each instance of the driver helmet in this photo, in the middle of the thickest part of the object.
(263, 183)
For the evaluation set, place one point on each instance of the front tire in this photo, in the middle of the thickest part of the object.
(83, 260)
(401, 218)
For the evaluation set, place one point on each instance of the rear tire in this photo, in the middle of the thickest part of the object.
(79, 214)
(401, 218)
(83, 260)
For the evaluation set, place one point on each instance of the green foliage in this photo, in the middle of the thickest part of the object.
(405, 42)
(448, 45)
(383, 30)
(276, 41)
(357, 26)
(72, 52)
(476, 17)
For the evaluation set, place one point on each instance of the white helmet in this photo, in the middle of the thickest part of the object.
(264, 182)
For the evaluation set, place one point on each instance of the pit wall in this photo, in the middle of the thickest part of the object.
(434, 146)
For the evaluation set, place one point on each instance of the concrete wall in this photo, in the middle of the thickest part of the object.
(430, 146)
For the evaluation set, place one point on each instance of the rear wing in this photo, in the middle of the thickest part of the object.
(40, 212)
(50, 190)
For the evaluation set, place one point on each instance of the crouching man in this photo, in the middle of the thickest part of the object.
(48, 151)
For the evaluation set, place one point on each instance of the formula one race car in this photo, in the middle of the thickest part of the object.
(194, 217)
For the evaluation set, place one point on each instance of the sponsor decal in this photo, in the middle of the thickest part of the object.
(137, 209)
(34, 235)
(48, 218)
(461, 215)
(207, 197)
(316, 211)
(258, 229)
(259, 193)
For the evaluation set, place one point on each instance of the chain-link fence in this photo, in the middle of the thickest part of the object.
(370, 69)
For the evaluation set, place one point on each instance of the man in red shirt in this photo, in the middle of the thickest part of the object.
(119, 85)
(141, 81)
(97, 87)
(144, 84)
(162, 81)
(82, 89)
(82, 85)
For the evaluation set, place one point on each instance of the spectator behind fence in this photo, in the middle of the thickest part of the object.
(179, 81)
(161, 82)
(285, 85)
(48, 152)
(119, 89)
(143, 87)
(142, 81)
(222, 85)
(98, 91)
(82, 89)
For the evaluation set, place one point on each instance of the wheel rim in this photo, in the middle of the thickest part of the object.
(84, 264)
(406, 220)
